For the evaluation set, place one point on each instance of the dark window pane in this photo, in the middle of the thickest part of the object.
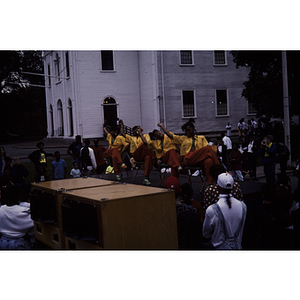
(188, 104)
(219, 57)
(67, 64)
(186, 57)
(221, 102)
(107, 60)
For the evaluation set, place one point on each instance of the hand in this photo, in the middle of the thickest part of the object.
(160, 125)
(121, 122)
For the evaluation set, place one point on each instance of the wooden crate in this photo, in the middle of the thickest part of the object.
(52, 234)
(128, 216)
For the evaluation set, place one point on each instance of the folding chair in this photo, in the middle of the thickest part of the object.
(191, 171)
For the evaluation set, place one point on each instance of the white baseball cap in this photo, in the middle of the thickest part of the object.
(225, 181)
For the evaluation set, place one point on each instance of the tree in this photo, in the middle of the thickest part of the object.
(264, 86)
(22, 96)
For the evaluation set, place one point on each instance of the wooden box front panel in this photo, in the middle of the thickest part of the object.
(132, 216)
(46, 235)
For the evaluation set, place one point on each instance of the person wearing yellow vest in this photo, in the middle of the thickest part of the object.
(268, 152)
(139, 149)
(194, 148)
(166, 151)
(116, 145)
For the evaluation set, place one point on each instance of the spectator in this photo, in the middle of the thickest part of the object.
(251, 155)
(268, 157)
(2, 161)
(20, 172)
(222, 153)
(254, 126)
(85, 172)
(211, 194)
(59, 167)
(99, 156)
(224, 221)
(283, 154)
(235, 163)
(75, 172)
(228, 129)
(16, 225)
(187, 198)
(39, 158)
(74, 150)
(228, 143)
(188, 220)
(88, 157)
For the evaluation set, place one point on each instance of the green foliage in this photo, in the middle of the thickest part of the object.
(264, 85)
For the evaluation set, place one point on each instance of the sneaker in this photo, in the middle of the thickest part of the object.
(196, 173)
(146, 181)
(180, 169)
(123, 166)
(163, 170)
(168, 170)
(118, 177)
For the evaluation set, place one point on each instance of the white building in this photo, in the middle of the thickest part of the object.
(85, 88)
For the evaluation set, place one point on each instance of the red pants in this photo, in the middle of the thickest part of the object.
(115, 156)
(172, 158)
(205, 157)
(143, 153)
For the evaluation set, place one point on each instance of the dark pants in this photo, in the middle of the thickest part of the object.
(252, 164)
(269, 170)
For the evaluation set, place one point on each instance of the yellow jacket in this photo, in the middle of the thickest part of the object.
(186, 142)
(135, 141)
(118, 142)
(161, 147)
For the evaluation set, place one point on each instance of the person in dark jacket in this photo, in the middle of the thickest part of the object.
(268, 152)
(39, 158)
(283, 154)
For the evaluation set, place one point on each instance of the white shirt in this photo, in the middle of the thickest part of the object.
(212, 225)
(92, 156)
(15, 221)
(250, 147)
(227, 142)
(75, 173)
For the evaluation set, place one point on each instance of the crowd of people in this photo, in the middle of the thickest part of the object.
(214, 222)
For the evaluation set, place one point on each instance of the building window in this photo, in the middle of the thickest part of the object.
(220, 58)
(70, 117)
(107, 60)
(188, 104)
(51, 120)
(57, 67)
(49, 76)
(67, 64)
(222, 104)
(186, 57)
(60, 128)
(251, 109)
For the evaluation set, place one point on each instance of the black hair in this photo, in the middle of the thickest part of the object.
(187, 193)
(87, 142)
(11, 195)
(134, 128)
(190, 123)
(56, 152)
(215, 170)
(40, 143)
(268, 191)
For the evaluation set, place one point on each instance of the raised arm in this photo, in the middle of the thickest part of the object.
(122, 128)
(169, 134)
(106, 131)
